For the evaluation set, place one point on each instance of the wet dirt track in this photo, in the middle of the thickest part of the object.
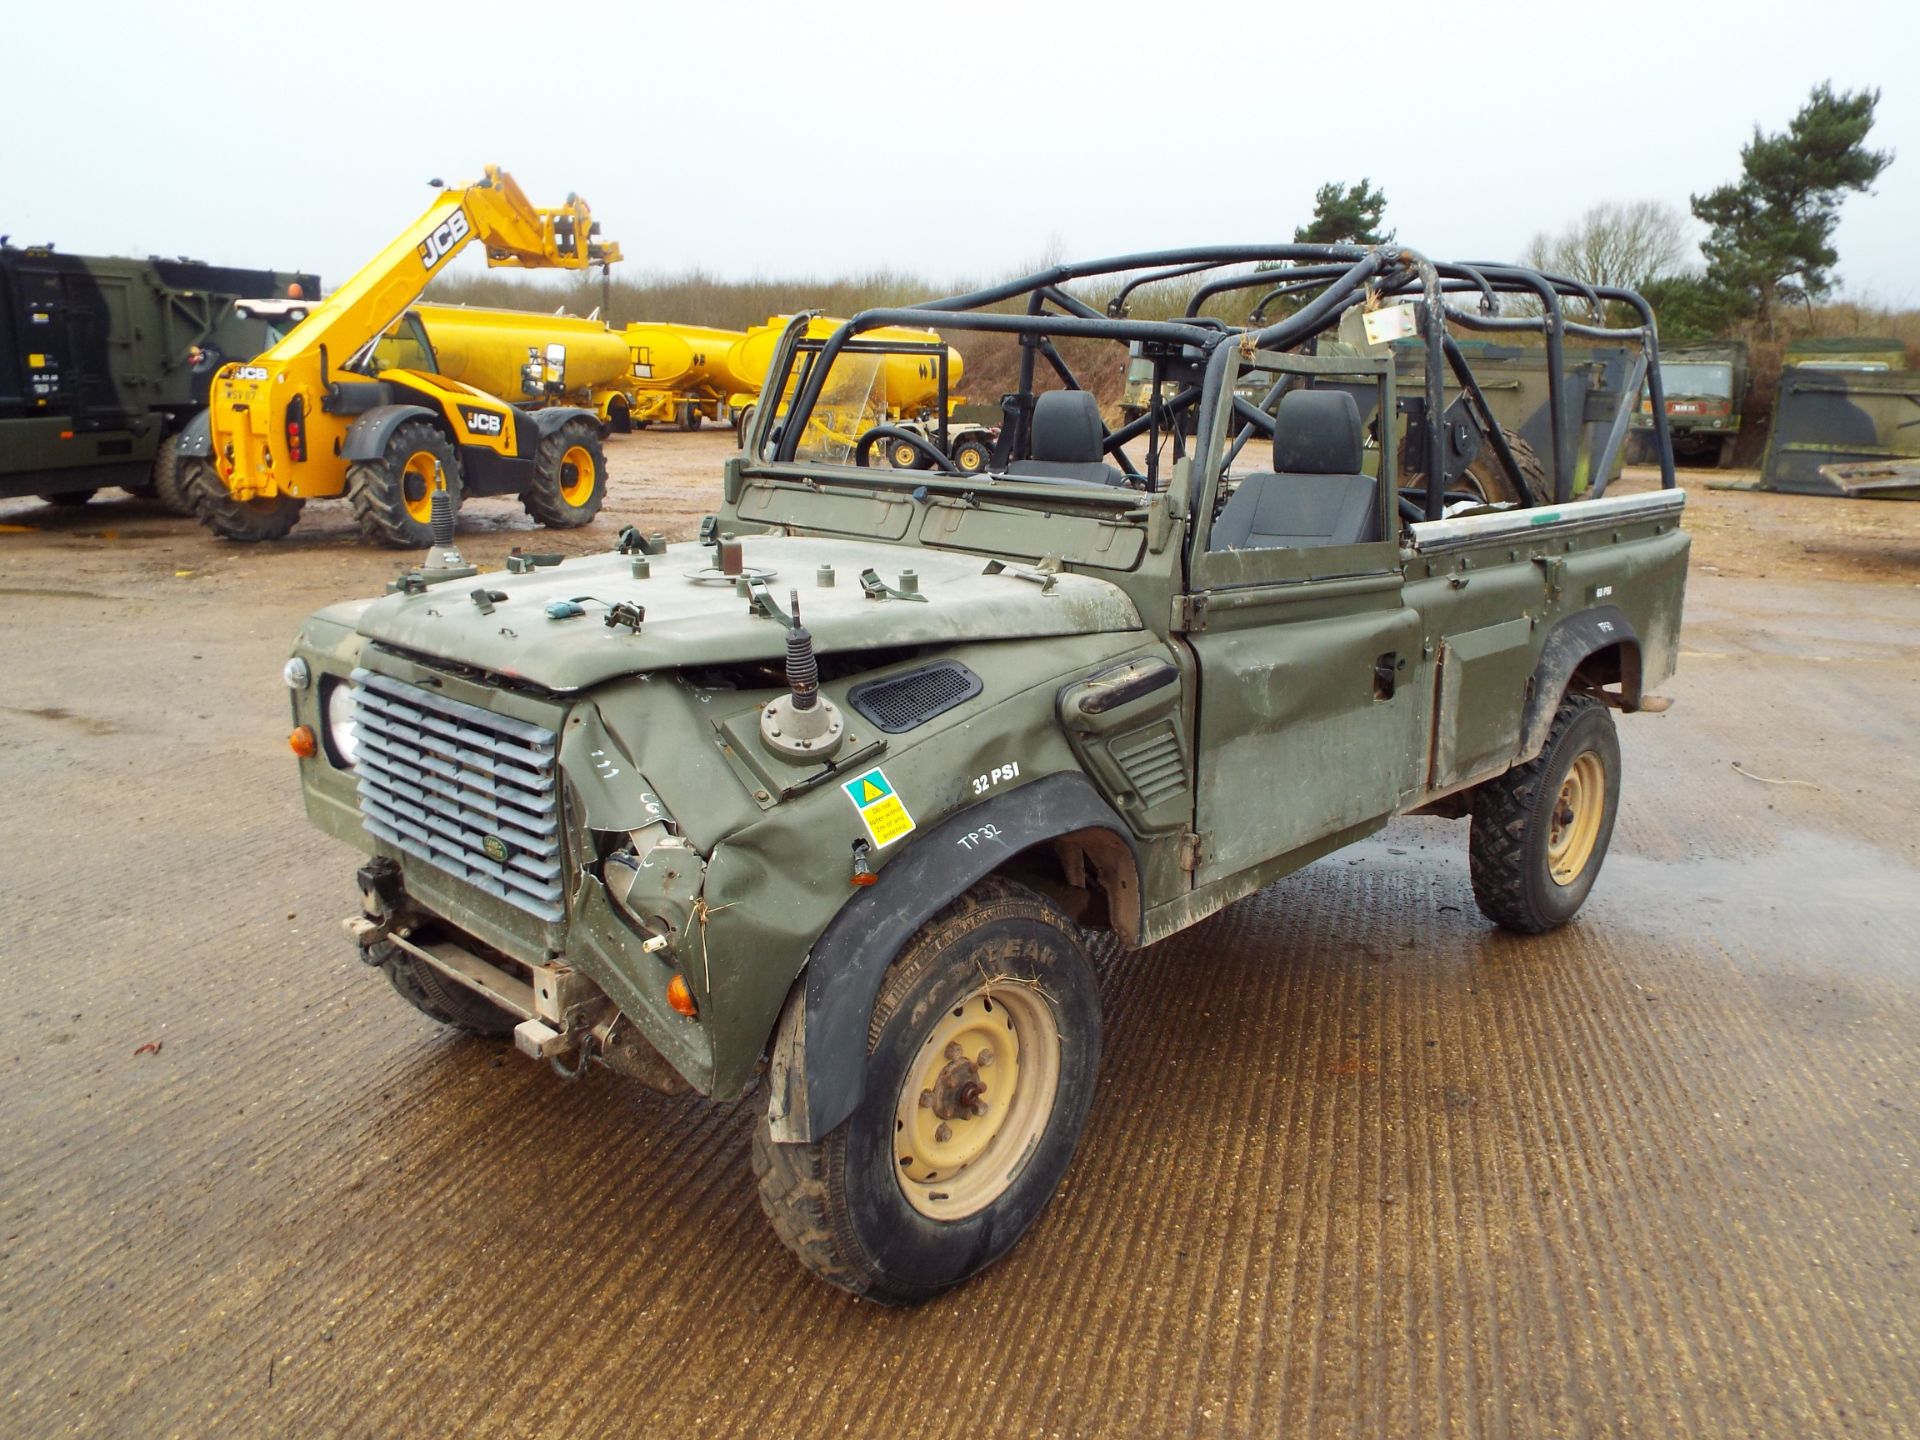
(1358, 1165)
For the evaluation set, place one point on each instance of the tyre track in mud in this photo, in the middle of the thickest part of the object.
(1357, 1165)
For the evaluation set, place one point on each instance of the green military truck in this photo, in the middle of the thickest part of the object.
(834, 797)
(104, 360)
(1705, 386)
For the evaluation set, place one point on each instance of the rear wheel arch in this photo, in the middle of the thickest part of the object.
(1594, 652)
(1054, 830)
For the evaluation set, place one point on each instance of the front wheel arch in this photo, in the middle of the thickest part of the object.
(818, 1050)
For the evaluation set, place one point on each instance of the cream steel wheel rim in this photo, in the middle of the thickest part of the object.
(976, 1100)
(1576, 819)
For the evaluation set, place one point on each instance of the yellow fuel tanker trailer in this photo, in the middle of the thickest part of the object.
(900, 388)
(683, 374)
(522, 356)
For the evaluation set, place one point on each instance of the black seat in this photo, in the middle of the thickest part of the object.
(1316, 495)
(1066, 441)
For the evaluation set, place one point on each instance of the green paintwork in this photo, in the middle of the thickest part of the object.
(96, 363)
(1320, 692)
(1842, 400)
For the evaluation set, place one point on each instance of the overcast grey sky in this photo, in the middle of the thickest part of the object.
(949, 140)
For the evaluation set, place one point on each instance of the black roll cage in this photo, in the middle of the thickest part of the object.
(1327, 279)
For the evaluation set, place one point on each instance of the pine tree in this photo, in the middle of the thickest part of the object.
(1344, 215)
(1771, 240)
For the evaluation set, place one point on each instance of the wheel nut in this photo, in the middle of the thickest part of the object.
(983, 1060)
(953, 1050)
(926, 1099)
(943, 1132)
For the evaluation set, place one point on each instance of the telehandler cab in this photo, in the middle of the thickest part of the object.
(349, 401)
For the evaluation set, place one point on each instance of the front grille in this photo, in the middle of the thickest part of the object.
(1152, 761)
(900, 702)
(440, 779)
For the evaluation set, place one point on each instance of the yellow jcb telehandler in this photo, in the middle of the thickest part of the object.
(349, 402)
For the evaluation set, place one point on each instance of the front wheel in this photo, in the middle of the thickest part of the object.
(972, 456)
(169, 483)
(1541, 831)
(392, 497)
(569, 477)
(246, 521)
(981, 1060)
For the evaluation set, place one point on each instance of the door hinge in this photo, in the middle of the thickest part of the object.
(1190, 612)
(1192, 851)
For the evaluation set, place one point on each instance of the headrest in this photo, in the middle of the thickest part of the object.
(1066, 427)
(1317, 432)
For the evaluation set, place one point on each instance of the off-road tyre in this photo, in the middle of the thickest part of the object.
(444, 1000)
(1490, 477)
(972, 456)
(168, 487)
(70, 499)
(569, 477)
(244, 521)
(1509, 849)
(1728, 444)
(687, 417)
(392, 497)
(840, 1203)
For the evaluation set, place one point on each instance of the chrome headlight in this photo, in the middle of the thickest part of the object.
(296, 673)
(343, 738)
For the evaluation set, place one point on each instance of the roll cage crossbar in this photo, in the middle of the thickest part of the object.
(1320, 282)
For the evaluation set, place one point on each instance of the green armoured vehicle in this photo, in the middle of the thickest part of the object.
(103, 361)
(1706, 385)
(1846, 407)
(837, 794)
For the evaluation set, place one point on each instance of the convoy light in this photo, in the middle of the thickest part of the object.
(681, 998)
(296, 673)
(302, 742)
(343, 736)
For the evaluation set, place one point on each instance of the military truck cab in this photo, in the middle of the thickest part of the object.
(825, 806)
(1705, 386)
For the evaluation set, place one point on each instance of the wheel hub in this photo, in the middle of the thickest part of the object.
(1575, 823)
(975, 1100)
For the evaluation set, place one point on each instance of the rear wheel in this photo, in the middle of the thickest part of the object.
(689, 415)
(392, 497)
(569, 477)
(1541, 831)
(70, 499)
(981, 1059)
(245, 521)
(168, 486)
(447, 1001)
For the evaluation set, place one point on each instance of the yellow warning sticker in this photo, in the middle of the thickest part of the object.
(883, 811)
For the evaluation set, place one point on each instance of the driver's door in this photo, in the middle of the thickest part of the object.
(1309, 714)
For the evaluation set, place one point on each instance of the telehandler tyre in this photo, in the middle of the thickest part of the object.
(981, 1059)
(569, 477)
(392, 497)
(1541, 831)
(447, 1001)
(168, 487)
(245, 521)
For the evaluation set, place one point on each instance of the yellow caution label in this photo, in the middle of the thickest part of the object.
(883, 811)
(36, 361)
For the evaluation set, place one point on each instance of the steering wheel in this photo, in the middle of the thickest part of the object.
(942, 461)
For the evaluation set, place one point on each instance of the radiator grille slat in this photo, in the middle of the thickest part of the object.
(438, 778)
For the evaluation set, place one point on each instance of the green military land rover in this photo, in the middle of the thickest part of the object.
(834, 796)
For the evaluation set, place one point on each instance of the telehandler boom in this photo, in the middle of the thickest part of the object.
(349, 401)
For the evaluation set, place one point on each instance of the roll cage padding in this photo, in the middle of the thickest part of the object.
(820, 1055)
(1573, 641)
